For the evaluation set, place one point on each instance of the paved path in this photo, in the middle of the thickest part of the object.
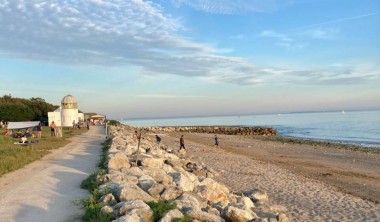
(45, 189)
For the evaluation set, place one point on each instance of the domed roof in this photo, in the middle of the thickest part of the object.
(69, 99)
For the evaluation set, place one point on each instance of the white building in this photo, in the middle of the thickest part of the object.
(67, 113)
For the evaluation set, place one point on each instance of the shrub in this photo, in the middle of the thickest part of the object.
(114, 123)
(160, 208)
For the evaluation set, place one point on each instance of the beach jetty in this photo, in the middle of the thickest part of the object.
(227, 130)
(139, 173)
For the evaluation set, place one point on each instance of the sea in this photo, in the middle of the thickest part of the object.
(350, 127)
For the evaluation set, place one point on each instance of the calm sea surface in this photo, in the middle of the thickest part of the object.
(354, 127)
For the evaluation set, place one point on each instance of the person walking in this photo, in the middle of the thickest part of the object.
(216, 141)
(182, 143)
(158, 140)
(53, 128)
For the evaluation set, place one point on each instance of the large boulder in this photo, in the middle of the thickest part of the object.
(257, 195)
(213, 191)
(171, 193)
(159, 175)
(152, 162)
(203, 216)
(136, 207)
(117, 161)
(146, 182)
(132, 192)
(182, 181)
(108, 199)
(235, 214)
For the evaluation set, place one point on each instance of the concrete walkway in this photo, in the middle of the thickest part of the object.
(45, 189)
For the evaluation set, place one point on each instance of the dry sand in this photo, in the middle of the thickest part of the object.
(45, 189)
(310, 182)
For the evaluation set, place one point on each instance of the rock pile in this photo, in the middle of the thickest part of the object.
(160, 174)
(262, 131)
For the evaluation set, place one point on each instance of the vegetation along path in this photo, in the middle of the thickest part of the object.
(45, 189)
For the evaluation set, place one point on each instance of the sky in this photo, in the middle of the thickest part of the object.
(173, 58)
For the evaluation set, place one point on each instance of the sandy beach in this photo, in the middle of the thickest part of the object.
(308, 182)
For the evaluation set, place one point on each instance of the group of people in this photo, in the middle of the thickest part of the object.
(23, 136)
(181, 140)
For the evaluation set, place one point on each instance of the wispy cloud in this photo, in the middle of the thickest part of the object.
(282, 39)
(321, 33)
(230, 6)
(129, 33)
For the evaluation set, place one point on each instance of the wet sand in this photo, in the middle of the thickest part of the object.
(309, 181)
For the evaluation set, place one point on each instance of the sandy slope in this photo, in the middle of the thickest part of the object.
(45, 190)
(303, 196)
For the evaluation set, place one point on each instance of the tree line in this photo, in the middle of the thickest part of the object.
(19, 109)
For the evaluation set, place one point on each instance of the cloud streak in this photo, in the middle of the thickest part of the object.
(125, 33)
(230, 6)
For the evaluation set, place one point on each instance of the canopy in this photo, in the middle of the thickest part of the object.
(97, 116)
(22, 125)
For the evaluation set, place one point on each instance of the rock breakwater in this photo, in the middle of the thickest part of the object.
(139, 174)
(227, 130)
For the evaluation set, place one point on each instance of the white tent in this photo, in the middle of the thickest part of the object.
(22, 125)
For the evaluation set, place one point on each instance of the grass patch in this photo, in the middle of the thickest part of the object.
(92, 206)
(160, 208)
(13, 157)
(185, 218)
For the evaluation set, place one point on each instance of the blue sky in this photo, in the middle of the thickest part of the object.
(169, 58)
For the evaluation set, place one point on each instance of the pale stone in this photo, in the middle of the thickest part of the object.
(156, 190)
(247, 202)
(159, 175)
(118, 161)
(258, 196)
(132, 192)
(282, 218)
(106, 210)
(171, 193)
(187, 201)
(154, 163)
(129, 218)
(203, 216)
(235, 214)
(172, 214)
(137, 207)
(108, 199)
(182, 181)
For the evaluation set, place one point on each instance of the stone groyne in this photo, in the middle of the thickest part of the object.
(141, 173)
(227, 130)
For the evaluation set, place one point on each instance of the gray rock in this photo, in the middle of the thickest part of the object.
(203, 216)
(146, 182)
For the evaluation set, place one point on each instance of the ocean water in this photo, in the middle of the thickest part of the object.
(353, 127)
